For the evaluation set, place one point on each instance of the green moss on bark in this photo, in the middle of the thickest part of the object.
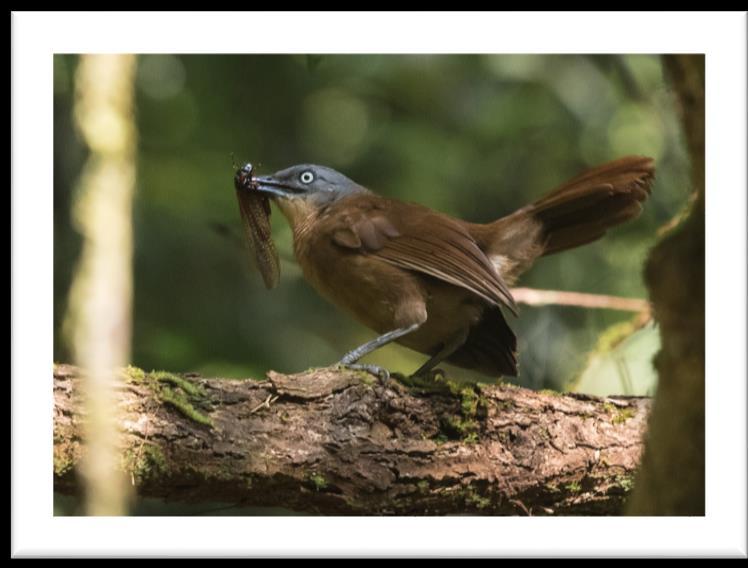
(172, 390)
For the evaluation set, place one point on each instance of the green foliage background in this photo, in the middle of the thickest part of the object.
(475, 136)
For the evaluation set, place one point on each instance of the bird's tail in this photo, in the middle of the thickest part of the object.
(582, 209)
(578, 212)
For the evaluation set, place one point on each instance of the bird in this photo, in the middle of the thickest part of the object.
(431, 282)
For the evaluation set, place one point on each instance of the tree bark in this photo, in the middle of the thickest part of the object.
(671, 481)
(334, 441)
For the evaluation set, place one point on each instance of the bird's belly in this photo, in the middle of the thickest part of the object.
(375, 293)
(451, 310)
(384, 297)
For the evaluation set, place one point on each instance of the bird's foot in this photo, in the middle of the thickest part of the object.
(427, 380)
(429, 374)
(380, 372)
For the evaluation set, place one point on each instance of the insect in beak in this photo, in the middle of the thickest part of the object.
(254, 207)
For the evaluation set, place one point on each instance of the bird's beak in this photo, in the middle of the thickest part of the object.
(269, 185)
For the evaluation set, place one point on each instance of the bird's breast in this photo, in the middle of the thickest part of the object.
(367, 288)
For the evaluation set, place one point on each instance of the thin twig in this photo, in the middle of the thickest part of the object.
(522, 506)
(264, 404)
(535, 297)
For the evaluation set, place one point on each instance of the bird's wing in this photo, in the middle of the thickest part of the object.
(415, 238)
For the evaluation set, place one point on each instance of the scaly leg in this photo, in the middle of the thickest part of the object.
(457, 341)
(350, 359)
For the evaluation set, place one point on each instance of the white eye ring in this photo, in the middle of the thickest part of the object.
(306, 177)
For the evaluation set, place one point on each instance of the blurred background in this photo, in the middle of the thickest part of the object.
(474, 136)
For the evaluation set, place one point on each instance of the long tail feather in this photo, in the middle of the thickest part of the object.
(585, 207)
(575, 213)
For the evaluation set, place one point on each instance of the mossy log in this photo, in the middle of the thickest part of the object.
(335, 441)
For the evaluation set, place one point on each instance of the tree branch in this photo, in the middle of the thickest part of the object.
(536, 297)
(333, 441)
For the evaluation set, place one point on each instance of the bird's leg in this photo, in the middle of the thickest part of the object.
(452, 345)
(356, 354)
(350, 359)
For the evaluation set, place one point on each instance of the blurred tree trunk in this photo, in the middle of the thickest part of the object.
(98, 321)
(671, 479)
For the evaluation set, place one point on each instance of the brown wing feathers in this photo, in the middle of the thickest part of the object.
(428, 243)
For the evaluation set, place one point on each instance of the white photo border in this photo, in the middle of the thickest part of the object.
(35, 37)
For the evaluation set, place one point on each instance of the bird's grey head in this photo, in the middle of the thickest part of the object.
(317, 185)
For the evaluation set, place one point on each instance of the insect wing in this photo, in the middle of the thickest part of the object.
(255, 213)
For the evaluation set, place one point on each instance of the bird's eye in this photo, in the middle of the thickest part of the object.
(306, 177)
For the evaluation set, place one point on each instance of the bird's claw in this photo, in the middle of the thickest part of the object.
(431, 374)
(380, 372)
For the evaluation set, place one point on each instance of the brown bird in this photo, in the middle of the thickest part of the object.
(430, 282)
